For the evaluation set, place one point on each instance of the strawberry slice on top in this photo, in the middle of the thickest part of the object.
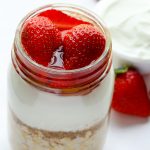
(62, 20)
(83, 44)
(40, 38)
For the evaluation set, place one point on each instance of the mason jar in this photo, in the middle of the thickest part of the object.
(71, 116)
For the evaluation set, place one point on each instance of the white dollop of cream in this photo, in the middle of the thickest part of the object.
(129, 24)
(51, 112)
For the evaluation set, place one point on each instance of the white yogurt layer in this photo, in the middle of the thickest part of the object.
(129, 24)
(51, 112)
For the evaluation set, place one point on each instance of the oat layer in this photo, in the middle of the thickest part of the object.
(24, 137)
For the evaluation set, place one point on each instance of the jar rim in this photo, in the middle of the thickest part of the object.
(19, 46)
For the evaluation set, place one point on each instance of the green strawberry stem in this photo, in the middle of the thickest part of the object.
(121, 70)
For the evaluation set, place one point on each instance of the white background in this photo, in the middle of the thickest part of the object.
(125, 133)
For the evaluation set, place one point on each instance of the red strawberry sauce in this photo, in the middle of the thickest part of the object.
(54, 77)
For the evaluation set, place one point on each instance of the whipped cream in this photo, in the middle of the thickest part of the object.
(52, 112)
(129, 24)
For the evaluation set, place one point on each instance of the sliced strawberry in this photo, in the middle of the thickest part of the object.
(62, 20)
(40, 38)
(82, 45)
(130, 94)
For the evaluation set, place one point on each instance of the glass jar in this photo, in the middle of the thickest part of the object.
(71, 116)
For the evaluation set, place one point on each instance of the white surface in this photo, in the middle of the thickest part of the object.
(126, 133)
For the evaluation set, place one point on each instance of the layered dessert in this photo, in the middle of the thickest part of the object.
(61, 82)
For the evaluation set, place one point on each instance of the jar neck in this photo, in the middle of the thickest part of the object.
(64, 82)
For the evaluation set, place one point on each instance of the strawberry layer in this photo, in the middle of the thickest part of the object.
(61, 19)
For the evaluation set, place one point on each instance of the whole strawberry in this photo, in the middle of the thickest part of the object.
(130, 93)
(82, 45)
(40, 38)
